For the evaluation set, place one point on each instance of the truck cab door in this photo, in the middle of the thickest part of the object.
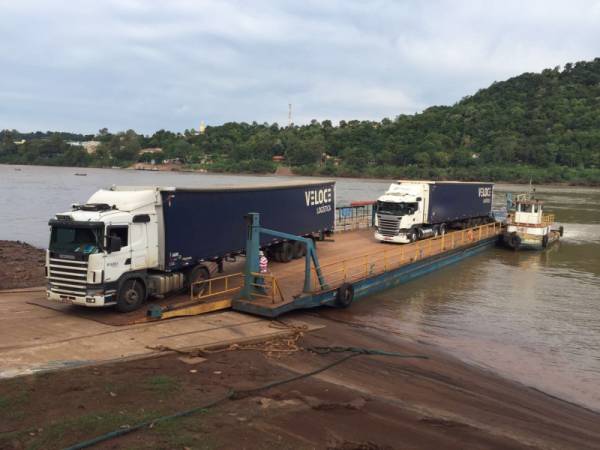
(139, 246)
(118, 262)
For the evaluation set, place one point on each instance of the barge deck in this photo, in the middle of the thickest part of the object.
(354, 261)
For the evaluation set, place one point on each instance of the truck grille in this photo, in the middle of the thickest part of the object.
(67, 276)
(388, 225)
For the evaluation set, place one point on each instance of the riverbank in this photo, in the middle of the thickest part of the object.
(367, 402)
(467, 175)
(22, 265)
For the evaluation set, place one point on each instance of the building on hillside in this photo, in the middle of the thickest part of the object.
(150, 150)
(90, 146)
(326, 158)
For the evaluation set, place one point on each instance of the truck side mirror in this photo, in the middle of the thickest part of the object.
(114, 244)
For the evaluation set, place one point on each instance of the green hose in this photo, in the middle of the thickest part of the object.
(354, 351)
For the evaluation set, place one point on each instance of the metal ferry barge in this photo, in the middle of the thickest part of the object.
(351, 266)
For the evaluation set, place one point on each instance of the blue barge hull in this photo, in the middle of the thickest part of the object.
(370, 285)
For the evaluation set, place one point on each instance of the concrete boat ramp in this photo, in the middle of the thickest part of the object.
(35, 338)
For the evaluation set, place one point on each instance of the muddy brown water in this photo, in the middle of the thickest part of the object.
(530, 316)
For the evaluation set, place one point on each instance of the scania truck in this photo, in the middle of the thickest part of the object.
(128, 243)
(412, 210)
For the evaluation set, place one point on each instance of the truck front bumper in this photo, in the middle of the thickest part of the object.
(400, 238)
(95, 301)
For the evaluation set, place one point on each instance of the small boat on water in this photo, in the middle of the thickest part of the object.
(527, 227)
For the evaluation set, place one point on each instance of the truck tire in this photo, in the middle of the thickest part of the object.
(412, 236)
(131, 295)
(344, 295)
(443, 229)
(272, 253)
(286, 252)
(298, 249)
(198, 273)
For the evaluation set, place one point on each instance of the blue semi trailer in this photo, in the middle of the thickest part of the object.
(127, 243)
(412, 210)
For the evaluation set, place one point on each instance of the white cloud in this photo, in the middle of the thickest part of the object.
(167, 64)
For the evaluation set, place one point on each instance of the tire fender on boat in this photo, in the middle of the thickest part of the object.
(514, 241)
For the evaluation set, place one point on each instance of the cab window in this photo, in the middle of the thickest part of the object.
(120, 232)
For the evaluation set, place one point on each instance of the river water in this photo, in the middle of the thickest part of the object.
(530, 316)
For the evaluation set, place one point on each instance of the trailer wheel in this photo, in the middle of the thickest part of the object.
(286, 252)
(436, 231)
(131, 295)
(198, 273)
(298, 249)
(345, 295)
(443, 229)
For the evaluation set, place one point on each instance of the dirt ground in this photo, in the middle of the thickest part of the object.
(21, 265)
(365, 402)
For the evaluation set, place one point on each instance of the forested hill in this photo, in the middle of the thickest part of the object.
(541, 126)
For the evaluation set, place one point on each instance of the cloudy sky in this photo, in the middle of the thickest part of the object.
(144, 64)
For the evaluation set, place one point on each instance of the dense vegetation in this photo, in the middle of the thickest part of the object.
(541, 126)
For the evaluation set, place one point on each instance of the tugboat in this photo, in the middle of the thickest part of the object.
(527, 227)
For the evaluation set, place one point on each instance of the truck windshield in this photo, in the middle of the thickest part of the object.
(75, 240)
(396, 209)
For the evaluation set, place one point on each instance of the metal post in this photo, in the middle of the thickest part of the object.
(252, 249)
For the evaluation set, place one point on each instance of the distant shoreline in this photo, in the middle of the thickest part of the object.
(185, 169)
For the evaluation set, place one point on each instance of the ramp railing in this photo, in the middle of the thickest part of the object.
(212, 287)
(391, 258)
(266, 286)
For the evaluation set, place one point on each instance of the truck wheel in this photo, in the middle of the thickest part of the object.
(131, 296)
(345, 295)
(298, 249)
(412, 236)
(443, 229)
(198, 273)
(420, 233)
(286, 252)
(274, 253)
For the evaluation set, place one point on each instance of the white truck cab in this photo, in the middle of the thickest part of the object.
(102, 247)
(400, 212)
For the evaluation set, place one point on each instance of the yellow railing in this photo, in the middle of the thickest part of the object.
(548, 219)
(356, 268)
(266, 286)
(216, 286)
